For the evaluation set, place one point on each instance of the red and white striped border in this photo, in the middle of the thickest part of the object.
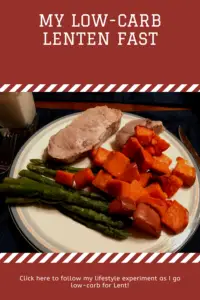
(99, 258)
(82, 88)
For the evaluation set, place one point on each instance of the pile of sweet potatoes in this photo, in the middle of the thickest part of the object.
(142, 184)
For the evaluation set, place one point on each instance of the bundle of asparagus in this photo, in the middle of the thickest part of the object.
(36, 185)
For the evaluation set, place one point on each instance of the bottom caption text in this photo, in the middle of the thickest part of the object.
(99, 281)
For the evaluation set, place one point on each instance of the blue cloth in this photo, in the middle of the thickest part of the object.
(10, 238)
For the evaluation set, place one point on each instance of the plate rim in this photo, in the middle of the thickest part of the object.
(40, 247)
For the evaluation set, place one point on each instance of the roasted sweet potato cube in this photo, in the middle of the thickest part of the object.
(185, 172)
(160, 167)
(131, 147)
(145, 178)
(154, 190)
(116, 187)
(150, 149)
(144, 160)
(147, 219)
(120, 208)
(137, 190)
(101, 179)
(92, 153)
(126, 192)
(101, 156)
(144, 135)
(159, 144)
(131, 173)
(170, 184)
(116, 163)
(176, 217)
(169, 202)
(159, 205)
(163, 158)
(83, 178)
(65, 178)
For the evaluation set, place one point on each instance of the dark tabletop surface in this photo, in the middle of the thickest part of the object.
(12, 241)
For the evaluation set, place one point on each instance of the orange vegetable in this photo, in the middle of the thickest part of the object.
(101, 179)
(144, 179)
(101, 156)
(146, 219)
(159, 144)
(131, 172)
(92, 153)
(83, 178)
(170, 184)
(144, 135)
(116, 163)
(160, 167)
(126, 192)
(176, 217)
(144, 160)
(185, 172)
(151, 150)
(118, 207)
(163, 159)
(169, 202)
(65, 178)
(138, 190)
(116, 187)
(159, 205)
(154, 190)
(131, 147)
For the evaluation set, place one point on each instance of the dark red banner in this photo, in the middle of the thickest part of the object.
(132, 42)
(99, 281)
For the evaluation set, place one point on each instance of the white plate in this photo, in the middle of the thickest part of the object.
(50, 231)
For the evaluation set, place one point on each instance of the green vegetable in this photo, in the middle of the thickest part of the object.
(39, 178)
(54, 166)
(37, 162)
(21, 201)
(53, 193)
(114, 233)
(24, 201)
(21, 180)
(42, 171)
(94, 195)
(93, 215)
(59, 166)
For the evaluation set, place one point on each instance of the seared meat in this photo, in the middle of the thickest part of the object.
(89, 130)
(129, 130)
(147, 220)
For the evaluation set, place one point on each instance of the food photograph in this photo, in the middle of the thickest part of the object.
(99, 172)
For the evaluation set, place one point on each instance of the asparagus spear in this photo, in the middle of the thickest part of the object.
(21, 180)
(93, 195)
(93, 215)
(59, 166)
(42, 171)
(21, 201)
(114, 233)
(24, 201)
(53, 193)
(54, 166)
(39, 178)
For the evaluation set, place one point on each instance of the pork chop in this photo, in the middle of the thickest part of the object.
(89, 130)
(128, 130)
